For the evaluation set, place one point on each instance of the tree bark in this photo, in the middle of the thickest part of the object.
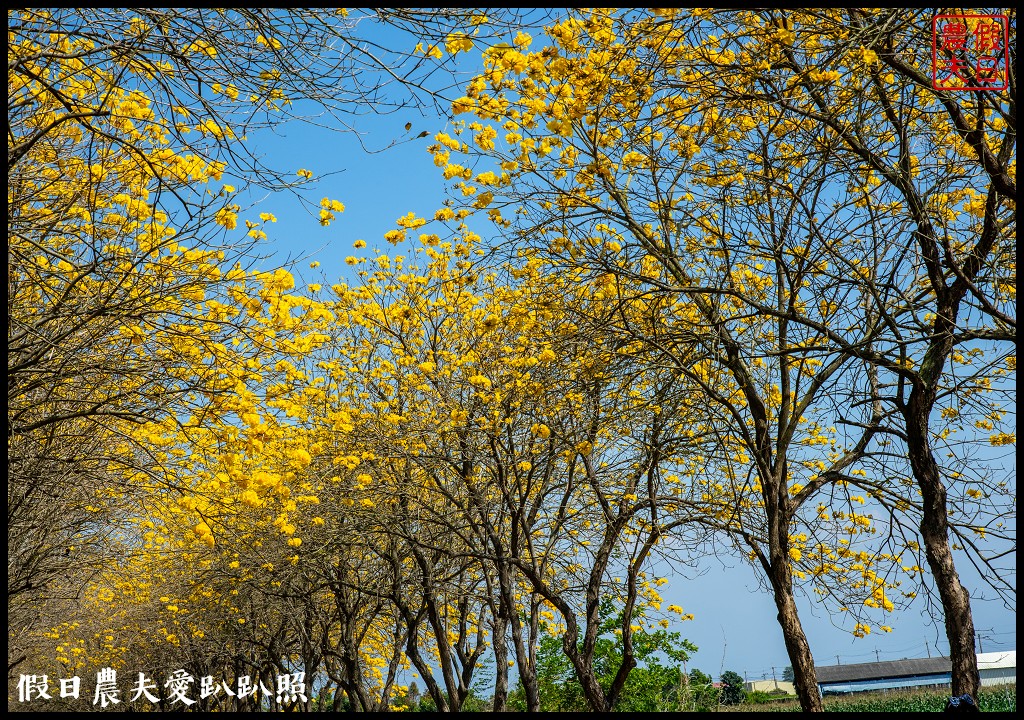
(805, 677)
(500, 644)
(956, 601)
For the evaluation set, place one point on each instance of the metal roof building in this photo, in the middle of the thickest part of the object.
(998, 668)
(995, 668)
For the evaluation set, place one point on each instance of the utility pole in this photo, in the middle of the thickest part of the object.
(927, 648)
(837, 660)
(775, 678)
(980, 648)
(876, 654)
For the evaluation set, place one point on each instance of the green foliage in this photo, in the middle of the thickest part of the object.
(701, 693)
(732, 690)
(654, 685)
(761, 697)
(996, 700)
(409, 699)
(414, 701)
(787, 674)
(999, 699)
(475, 703)
(757, 697)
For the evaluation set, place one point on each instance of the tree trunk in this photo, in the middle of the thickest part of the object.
(956, 601)
(526, 653)
(804, 677)
(500, 643)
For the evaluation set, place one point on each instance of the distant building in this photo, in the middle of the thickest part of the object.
(887, 675)
(995, 669)
(770, 686)
(998, 668)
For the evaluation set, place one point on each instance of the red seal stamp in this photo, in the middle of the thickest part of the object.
(970, 52)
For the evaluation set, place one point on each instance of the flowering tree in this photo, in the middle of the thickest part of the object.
(711, 162)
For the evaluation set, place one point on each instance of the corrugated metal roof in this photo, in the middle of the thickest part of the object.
(917, 681)
(993, 660)
(886, 669)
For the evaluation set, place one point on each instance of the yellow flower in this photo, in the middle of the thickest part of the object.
(456, 43)
(268, 42)
(480, 381)
(227, 218)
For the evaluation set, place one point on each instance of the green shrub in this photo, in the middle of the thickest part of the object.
(757, 697)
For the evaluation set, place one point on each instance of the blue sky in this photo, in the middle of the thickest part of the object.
(735, 625)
